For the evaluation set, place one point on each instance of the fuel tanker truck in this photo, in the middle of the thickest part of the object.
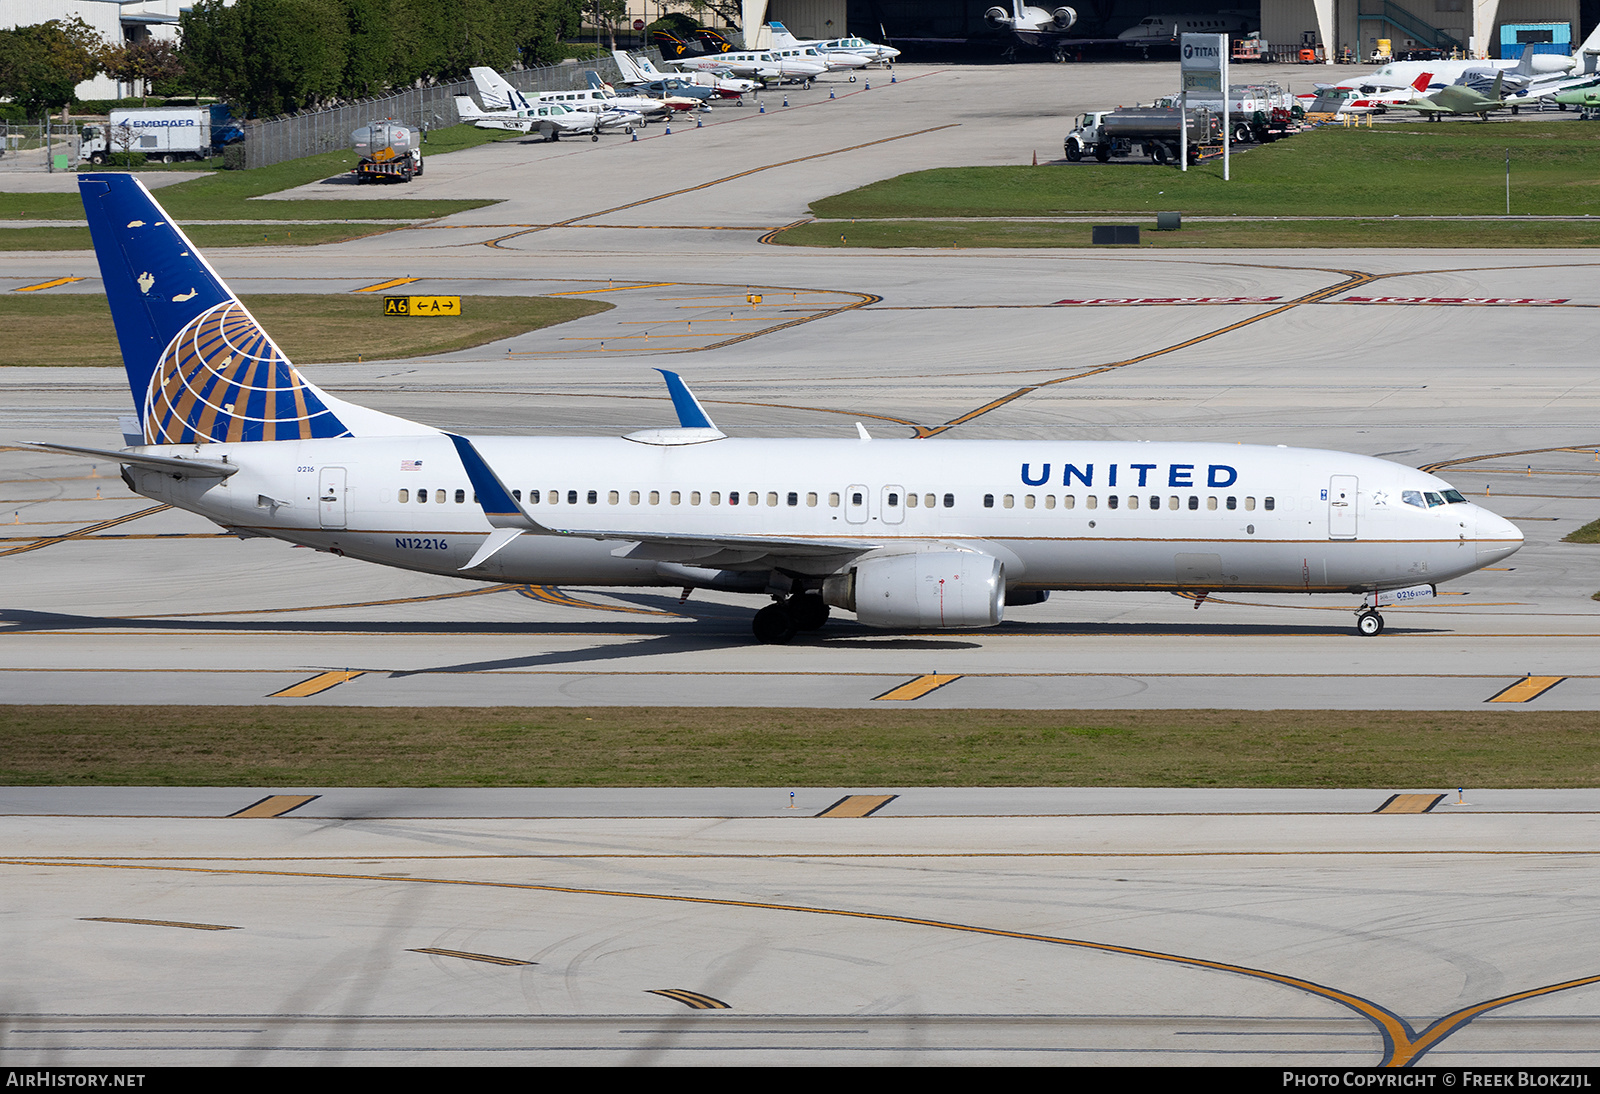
(388, 152)
(1150, 130)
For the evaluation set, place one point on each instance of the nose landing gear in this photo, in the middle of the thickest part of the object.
(1368, 622)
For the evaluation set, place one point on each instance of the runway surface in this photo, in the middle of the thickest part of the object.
(868, 925)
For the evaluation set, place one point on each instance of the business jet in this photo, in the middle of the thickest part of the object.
(1445, 73)
(942, 534)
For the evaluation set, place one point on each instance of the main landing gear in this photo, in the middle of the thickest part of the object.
(1368, 622)
(778, 623)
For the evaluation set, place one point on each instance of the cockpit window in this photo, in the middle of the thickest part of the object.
(1454, 497)
(1413, 497)
(1433, 499)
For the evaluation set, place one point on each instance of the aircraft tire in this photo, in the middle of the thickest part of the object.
(809, 613)
(852, 79)
(773, 626)
(1369, 623)
(593, 137)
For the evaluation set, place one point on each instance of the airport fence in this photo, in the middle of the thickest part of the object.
(290, 137)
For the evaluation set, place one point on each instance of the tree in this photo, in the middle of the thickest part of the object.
(42, 64)
(604, 15)
(143, 63)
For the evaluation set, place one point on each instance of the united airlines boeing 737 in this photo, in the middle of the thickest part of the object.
(903, 533)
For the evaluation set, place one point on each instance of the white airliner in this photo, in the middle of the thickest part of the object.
(904, 533)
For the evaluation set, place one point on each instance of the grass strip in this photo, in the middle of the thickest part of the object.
(271, 234)
(1402, 169)
(674, 746)
(76, 328)
(226, 195)
(1589, 533)
(948, 234)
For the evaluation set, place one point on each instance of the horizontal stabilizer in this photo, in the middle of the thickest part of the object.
(171, 465)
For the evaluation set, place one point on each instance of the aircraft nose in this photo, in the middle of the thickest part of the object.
(1498, 538)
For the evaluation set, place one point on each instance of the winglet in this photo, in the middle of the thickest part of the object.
(504, 512)
(691, 415)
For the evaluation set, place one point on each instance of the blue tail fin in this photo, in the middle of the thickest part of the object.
(200, 366)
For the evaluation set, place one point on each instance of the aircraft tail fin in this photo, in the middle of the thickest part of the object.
(495, 92)
(781, 38)
(1588, 53)
(199, 366)
(594, 79)
(630, 72)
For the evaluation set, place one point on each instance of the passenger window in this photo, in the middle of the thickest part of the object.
(572, 497)
(1133, 501)
(733, 497)
(894, 501)
(1091, 502)
(422, 497)
(404, 495)
(517, 494)
(949, 501)
(1194, 502)
(1269, 504)
(811, 499)
(755, 499)
(1049, 501)
(1008, 501)
(1233, 502)
(1172, 502)
(1211, 503)
(655, 497)
(1155, 502)
(694, 497)
(1069, 501)
(793, 498)
(833, 500)
(1027, 502)
(533, 497)
(856, 499)
(911, 501)
(461, 496)
(931, 500)
(438, 496)
(594, 497)
(715, 498)
(633, 497)
(1249, 503)
(1111, 501)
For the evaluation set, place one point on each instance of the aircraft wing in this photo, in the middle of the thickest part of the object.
(510, 520)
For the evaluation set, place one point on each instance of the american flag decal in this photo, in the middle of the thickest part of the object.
(411, 465)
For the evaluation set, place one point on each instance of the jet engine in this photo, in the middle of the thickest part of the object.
(998, 18)
(941, 587)
(1064, 18)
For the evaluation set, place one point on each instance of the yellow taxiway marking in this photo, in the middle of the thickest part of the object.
(83, 533)
(390, 284)
(1402, 1044)
(490, 958)
(550, 594)
(47, 284)
(615, 288)
(1409, 803)
(1526, 690)
(916, 689)
(691, 999)
(275, 805)
(316, 685)
(158, 923)
(858, 805)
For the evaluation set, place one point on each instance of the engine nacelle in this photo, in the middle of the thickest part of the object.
(997, 18)
(942, 587)
(1064, 18)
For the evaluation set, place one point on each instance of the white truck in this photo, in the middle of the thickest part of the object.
(1152, 130)
(164, 134)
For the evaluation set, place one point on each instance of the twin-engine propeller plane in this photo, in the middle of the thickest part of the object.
(904, 533)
